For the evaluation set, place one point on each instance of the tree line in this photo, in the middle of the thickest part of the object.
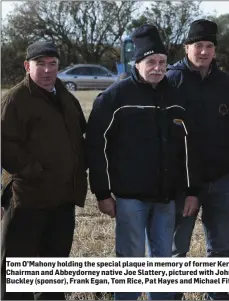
(91, 31)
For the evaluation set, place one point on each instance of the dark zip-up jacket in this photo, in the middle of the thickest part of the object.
(42, 146)
(136, 138)
(207, 104)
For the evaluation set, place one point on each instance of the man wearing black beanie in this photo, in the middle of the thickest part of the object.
(204, 89)
(136, 145)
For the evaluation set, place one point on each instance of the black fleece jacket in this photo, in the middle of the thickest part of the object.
(137, 139)
(207, 104)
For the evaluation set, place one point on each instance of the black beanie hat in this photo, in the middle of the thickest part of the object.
(202, 30)
(147, 41)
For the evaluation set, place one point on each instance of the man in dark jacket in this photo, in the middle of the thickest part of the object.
(136, 140)
(204, 89)
(42, 149)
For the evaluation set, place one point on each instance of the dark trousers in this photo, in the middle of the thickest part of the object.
(214, 198)
(29, 232)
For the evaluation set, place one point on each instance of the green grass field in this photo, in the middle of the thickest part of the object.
(94, 232)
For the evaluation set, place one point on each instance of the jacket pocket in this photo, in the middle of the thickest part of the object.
(31, 170)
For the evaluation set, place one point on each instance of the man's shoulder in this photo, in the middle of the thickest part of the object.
(121, 86)
(175, 77)
(14, 94)
(223, 74)
(63, 92)
(177, 67)
(175, 73)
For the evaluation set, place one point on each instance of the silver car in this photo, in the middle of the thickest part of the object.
(85, 76)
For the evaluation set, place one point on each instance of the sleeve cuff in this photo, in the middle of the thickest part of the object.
(192, 191)
(103, 195)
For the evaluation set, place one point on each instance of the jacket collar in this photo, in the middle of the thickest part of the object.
(35, 90)
(212, 70)
(61, 91)
(138, 81)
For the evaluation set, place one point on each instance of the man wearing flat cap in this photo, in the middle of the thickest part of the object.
(204, 89)
(42, 150)
(136, 141)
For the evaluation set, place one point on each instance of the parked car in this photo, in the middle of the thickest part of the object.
(86, 76)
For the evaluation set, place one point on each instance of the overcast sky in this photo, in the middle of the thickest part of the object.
(220, 7)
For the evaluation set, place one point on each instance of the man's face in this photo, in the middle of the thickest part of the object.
(152, 68)
(200, 53)
(43, 71)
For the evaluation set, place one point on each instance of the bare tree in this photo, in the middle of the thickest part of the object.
(172, 18)
(222, 48)
(82, 30)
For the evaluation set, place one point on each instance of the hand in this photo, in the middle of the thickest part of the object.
(191, 206)
(2, 212)
(108, 206)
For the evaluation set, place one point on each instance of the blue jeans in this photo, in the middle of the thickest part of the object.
(138, 221)
(214, 198)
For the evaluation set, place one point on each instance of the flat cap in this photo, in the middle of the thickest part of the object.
(41, 48)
